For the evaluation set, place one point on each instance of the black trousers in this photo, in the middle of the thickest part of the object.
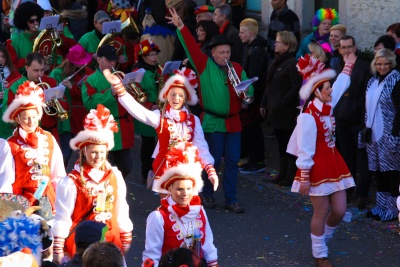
(253, 142)
(355, 158)
(122, 159)
(146, 151)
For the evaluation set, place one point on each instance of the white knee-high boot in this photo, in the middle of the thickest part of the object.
(319, 248)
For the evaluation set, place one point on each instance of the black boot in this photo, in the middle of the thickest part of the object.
(283, 164)
(290, 173)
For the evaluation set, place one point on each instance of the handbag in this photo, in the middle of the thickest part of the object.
(366, 135)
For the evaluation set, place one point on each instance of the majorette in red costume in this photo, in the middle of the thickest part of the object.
(172, 124)
(179, 218)
(94, 190)
(36, 154)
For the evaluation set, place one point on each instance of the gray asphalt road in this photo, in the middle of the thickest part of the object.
(274, 230)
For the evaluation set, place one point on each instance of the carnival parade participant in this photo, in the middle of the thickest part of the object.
(221, 104)
(382, 108)
(173, 123)
(91, 40)
(94, 190)
(96, 90)
(27, 18)
(35, 65)
(36, 154)
(180, 219)
(322, 173)
(8, 75)
(71, 73)
(148, 60)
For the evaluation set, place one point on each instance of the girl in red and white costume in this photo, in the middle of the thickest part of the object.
(94, 190)
(322, 173)
(180, 216)
(36, 154)
(174, 123)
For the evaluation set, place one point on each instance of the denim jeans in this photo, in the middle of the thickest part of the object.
(225, 145)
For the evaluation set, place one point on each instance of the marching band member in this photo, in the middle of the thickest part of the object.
(173, 124)
(27, 18)
(180, 219)
(35, 65)
(221, 105)
(97, 90)
(94, 190)
(91, 40)
(147, 60)
(8, 75)
(36, 154)
(70, 73)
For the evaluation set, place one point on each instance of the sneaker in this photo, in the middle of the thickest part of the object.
(235, 208)
(208, 202)
(252, 168)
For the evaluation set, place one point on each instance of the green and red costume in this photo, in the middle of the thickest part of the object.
(220, 103)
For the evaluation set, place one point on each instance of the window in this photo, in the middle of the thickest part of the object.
(253, 6)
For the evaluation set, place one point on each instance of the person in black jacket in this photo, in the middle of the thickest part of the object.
(280, 101)
(222, 17)
(349, 116)
(255, 63)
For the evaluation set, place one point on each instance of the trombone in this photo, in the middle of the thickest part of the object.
(235, 81)
(73, 74)
(131, 87)
(53, 107)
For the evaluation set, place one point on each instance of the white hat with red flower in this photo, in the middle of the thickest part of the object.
(181, 163)
(314, 74)
(99, 128)
(184, 79)
(29, 96)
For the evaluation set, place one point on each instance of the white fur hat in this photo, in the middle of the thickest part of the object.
(182, 163)
(99, 128)
(29, 96)
(185, 79)
(314, 75)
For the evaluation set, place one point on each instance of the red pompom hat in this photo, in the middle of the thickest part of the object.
(99, 128)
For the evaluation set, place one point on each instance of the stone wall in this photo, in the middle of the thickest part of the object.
(366, 20)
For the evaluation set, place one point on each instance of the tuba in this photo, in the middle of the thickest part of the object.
(131, 87)
(46, 43)
(53, 107)
(235, 81)
(109, 38)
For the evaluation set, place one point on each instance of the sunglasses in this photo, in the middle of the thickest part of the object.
(34, 20)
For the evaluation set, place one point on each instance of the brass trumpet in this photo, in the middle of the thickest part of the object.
(131, 87)
(53, 107)
(73, 74)
(235, 81)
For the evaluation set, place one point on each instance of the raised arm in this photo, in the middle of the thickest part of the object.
(139, 112)
(343, 80)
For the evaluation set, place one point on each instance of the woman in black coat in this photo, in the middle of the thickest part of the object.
(280, 101)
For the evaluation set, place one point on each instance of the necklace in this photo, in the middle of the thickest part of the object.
(190, 226)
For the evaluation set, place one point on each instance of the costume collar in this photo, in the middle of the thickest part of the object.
(323, 108)
(31, 139)
(187, 213)
(177, 115)
(92, 173)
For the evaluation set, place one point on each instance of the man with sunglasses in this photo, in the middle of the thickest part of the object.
(27, 18)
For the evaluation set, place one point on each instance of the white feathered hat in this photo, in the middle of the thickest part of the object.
(99, 128)
(181, 163)
(29, 96)
(185, 79)
(314, 75)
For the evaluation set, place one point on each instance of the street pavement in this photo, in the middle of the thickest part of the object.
(275, 228)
